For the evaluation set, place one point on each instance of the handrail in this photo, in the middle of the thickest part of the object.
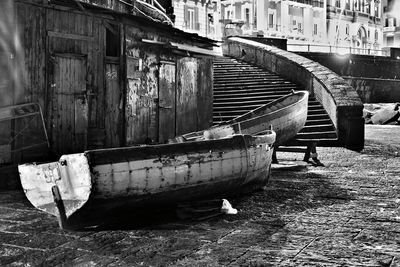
(332, 48)
(159, 6)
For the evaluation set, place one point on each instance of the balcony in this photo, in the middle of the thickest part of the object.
(389, 29)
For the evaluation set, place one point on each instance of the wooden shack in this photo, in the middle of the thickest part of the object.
(107, 78)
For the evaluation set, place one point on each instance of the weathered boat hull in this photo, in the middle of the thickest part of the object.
(287, 116)
(79, 185)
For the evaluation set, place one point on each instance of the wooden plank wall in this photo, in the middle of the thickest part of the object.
(194, 94)
(186, 99)
(142, 95)
(31, 28)
(205, 93)
(113, 106)
(70, 34)
(116, 96)
(167, 100)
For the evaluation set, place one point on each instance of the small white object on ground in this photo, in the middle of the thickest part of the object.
(227, 207)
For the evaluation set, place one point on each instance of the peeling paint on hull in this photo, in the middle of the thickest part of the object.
(101, 180)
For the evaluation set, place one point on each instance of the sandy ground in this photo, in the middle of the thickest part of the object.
(344, 214)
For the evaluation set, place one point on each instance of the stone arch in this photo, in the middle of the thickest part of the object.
(362, 38)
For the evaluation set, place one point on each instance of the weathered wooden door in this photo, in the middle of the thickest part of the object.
(187, 93)
(141, 100)
(166, 102)
(69, 104)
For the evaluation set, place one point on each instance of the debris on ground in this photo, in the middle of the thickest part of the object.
(382, 113)
(227, 207)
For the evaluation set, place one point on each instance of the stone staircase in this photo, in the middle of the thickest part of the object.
(240, 87)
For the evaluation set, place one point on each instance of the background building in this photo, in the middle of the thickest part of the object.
(302, 20)
(198, 16)
(391, 27)
(356, 24)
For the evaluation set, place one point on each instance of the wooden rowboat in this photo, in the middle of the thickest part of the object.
(287, 116)
(82, 185)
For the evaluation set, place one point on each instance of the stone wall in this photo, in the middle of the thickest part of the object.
(376, 79)
(340, 100)
(357, 65)
(375, 90)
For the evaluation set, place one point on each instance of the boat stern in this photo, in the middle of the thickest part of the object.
(59, 188)
(259, 158)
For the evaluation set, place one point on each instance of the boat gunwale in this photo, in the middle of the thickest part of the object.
(303, 97)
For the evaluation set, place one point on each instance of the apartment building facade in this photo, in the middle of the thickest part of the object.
(302, 20)
(198, 16)
(391, 23)
(355, 24)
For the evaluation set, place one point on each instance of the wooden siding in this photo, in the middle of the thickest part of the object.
(31, 29)
(205, 93)
(187, 90)
(69, 107)
(113, 106)
(167, 103)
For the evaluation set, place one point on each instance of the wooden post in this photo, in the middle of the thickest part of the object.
(62, 217)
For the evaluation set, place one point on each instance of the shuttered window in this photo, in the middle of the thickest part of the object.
(191, 18)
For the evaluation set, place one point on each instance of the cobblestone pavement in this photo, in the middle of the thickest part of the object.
(344, 214)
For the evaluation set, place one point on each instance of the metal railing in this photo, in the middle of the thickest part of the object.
(336, 49)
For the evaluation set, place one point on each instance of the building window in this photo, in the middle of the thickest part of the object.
(337, 3)
(347, 29)
(347, 4)
(192, 18)
(315, 32)
(390, 40)
(112, 40)
(368, 8)
(356, 5)
(271, 20)
(392, 22)
(299, 28)
(376, 35)
(369, 33)
(247, 15)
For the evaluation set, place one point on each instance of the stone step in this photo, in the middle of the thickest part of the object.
(321, 135)
(312, 122)
(232, 72)
(276, 86)
(227, 74)
(247, 79)
(259, 93)
(318, 128)
(238, 102)
(317, 116)
(240, 87)
(253, 92)
(316, 111)
(227, 107)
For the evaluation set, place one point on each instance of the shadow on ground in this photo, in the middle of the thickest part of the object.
(158, 237)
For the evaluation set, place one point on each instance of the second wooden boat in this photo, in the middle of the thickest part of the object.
(287, 115)
(87, 185)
